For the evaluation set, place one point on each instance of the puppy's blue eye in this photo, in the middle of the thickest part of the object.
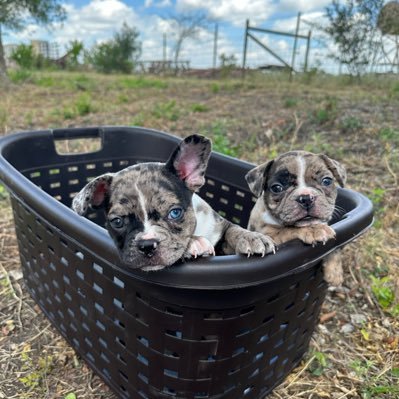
(117, 223)
(276, 188)
(175, 214)
(326, 181)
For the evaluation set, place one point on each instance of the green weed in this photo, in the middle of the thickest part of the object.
(167, 110)
(142, 83)
(34, 371)
(220, 140)
(19, 75)
(389, 135)
(84, 105)
(45, 81)
(319, 364)
(361, 367)
(215, 88)
(382, 290)
(327, 113)
(196, 107)
(139, 119)
(123, 98)
(351, 124)
(290, 102)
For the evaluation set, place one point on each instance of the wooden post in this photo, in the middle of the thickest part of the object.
(215, 46)
(244, 58)
(305, 68)
(164, 48)
(298, 20)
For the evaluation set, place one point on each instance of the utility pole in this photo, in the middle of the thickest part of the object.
(164, 47)
(215, 45)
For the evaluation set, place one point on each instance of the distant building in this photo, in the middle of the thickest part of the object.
(40, 47)
(8, 50)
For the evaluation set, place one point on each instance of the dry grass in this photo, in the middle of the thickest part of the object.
(355, 350)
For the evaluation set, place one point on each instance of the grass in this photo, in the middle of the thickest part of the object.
(254, 119)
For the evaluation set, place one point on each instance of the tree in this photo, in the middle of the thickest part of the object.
(15, 13)
(352, 26)
(74, 49)
(23, 55)
(187, 26)
(119, 54)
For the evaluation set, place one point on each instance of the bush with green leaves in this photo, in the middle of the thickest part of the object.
(24, 56)
(119, 54)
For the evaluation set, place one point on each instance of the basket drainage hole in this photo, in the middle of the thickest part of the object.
(171, 373)
(263, 338)
(143, 377)
(169, 391)
(201, 395)
(123, 375)
(248, 390)
(144, 341)
(174, 333)
(239, 351)
(171, 354)
(273, 360)
(142, 359)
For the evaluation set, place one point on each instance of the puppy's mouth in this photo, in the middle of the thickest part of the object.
(308, 220)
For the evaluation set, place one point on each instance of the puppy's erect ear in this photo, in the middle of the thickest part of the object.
(256, 178)
(336, 168)
(189, 161)
(93, 194)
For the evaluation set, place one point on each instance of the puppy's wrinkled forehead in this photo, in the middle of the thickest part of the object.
(296, 165)
(146, 187)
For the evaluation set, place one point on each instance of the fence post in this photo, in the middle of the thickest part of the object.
(298, 20)
(305, 68)
(244, 58)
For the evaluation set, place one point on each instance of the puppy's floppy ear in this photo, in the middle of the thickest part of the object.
(189, 161)
(336, 168)
(256, 178)
(93, 194)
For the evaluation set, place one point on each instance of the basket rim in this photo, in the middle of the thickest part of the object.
(220, 272)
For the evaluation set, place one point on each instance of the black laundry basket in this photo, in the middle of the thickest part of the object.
(226, 327)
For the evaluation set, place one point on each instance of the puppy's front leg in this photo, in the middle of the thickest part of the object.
(238, 240)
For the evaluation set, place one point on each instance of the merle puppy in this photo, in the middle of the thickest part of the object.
(154, 216)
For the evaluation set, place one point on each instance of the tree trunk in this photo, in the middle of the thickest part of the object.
(3, 68)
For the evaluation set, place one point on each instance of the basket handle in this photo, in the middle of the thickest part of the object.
(93, 136)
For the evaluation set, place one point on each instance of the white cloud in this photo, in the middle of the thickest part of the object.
(302, 5)
(234, 11)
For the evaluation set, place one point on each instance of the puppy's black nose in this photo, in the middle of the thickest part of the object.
(147, 247)
(306, 201)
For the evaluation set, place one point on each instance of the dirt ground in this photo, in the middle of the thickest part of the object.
(354, 352)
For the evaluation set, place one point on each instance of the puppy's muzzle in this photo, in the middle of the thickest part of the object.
(147, 247)
(306, 201)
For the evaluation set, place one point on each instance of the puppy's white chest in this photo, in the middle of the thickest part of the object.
(207, 225)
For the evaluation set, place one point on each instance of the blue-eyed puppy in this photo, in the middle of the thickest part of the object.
(154, 216)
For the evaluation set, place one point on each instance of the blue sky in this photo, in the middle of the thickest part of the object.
(93, 21)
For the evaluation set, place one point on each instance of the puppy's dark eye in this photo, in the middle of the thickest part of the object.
(326, 181)
(117, 223)
(175, 214)
(276, 188)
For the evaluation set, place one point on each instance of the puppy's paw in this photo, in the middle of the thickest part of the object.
(333, 271)
(317, 233)
(199, 246)
(251, 243)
